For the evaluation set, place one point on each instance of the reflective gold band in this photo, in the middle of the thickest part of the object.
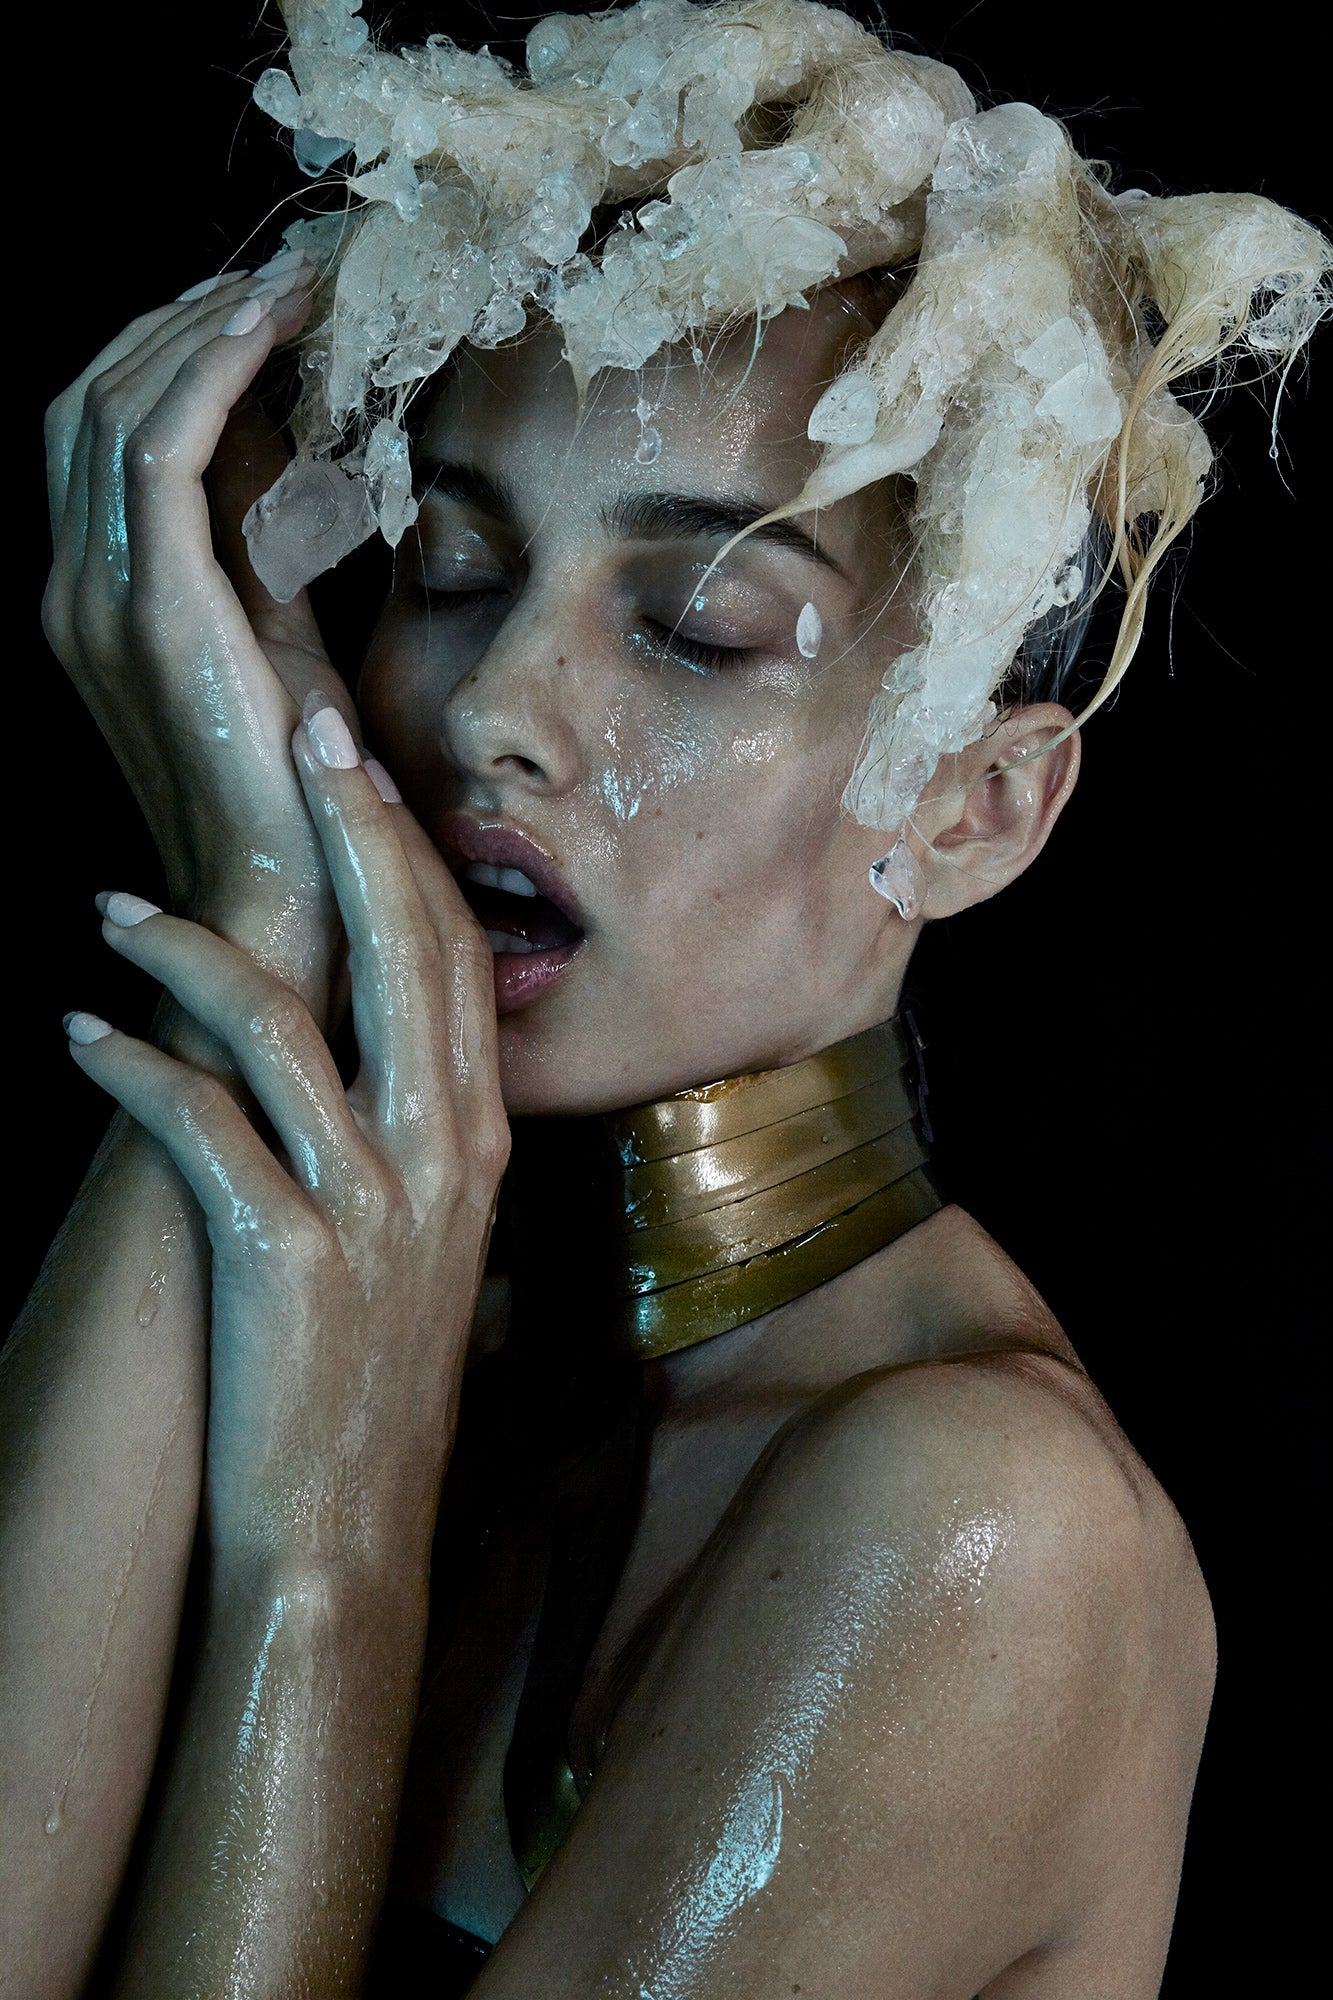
(714, 1112)
(665, 1191)
(739, 1196)
(681, 1315)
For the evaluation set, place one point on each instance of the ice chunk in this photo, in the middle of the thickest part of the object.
(315, 153)
(388, 478)
(310, 518)
(846, 412)
(499, 320)
(898, 879)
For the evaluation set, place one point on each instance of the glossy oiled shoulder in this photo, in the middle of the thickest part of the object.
(924, 1716)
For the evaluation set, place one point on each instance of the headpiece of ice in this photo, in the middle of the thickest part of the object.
(759, 151)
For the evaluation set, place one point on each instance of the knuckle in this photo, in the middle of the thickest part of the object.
(198, 1100)
(146, 457)
(276, 1019)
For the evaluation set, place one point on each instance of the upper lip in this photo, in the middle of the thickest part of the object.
(462, 839)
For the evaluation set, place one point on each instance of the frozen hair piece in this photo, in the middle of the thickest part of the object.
(1021, 382)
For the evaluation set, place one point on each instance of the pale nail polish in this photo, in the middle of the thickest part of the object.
(247, 316)
(126, 910)
(85, 1028)
(284, 274)
(205, 286)
(331, 740)
(382, 782)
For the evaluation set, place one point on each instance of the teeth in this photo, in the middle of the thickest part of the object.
(501, 941)
(490, 877)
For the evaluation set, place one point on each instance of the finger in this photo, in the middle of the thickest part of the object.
(233, 1175)
(140, 339)
(419, 998)
(267, 1029)
(166, 420)
(119, 446)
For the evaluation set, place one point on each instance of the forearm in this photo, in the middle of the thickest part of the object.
(102, 1399)
(269, 1862)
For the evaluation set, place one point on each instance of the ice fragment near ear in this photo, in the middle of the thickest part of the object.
(310, 518)
(898, 879)
(809, 632)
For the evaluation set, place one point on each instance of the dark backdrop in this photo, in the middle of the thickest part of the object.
(1123, 1054)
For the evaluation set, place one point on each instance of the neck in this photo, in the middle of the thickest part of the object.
(704, 1212)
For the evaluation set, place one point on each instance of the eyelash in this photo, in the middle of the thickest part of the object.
(695, 653)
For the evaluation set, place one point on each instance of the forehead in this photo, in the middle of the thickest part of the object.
(732, 415)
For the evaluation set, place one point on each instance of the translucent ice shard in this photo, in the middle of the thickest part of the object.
(898, 879)
(310, 518)
(846, 413)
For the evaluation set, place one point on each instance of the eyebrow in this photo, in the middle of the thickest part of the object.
(653, 517)
(680, 517)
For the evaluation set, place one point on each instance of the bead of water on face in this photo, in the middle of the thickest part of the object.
(809, 632)
(649, 448)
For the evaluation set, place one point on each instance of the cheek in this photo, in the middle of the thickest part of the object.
(398, 699)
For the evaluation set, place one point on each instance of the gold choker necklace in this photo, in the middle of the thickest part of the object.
(720, 1203)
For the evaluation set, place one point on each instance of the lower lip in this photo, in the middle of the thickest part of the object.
(520, 976)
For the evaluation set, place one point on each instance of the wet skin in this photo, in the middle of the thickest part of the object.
(963, 1823)
(544, 664)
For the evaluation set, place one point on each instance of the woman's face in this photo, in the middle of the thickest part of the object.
(557, 690)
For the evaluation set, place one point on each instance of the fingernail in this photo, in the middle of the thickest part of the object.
(247, 316)
(382, 782)
(207, 285)
(331, 740)
(278, 275)
(85, 1028)
(126, 910)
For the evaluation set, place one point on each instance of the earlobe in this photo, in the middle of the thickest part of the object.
(988, 818)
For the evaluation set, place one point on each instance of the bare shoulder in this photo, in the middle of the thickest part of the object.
(1013, 1456)
(923, 1719)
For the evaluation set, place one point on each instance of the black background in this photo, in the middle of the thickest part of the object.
(1123, 1047)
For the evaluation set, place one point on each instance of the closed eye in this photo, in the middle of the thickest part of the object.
(696, 653)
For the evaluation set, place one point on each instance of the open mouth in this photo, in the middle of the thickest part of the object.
(516, 917)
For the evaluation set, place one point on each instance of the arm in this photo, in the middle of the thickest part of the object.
(928, 1709)
(103, 1384)
(343, 1290)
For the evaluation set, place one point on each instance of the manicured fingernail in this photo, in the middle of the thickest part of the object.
(247, 316)
(281, 274)
(85, 1028)
(382, 782)
(331, 740)
(207, 285)
(126, 910)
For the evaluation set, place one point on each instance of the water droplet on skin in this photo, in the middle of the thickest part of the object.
(53, 1821)
(649, 448)
(809, 632)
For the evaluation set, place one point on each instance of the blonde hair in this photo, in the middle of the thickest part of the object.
(1022, 381)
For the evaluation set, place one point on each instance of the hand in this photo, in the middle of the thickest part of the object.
(344, 1279)
(194, 675)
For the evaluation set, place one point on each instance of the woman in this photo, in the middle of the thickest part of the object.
(986, 830)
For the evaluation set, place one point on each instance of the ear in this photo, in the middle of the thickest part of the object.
(988, 812)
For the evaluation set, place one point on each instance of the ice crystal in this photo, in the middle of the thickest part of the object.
(756, 150)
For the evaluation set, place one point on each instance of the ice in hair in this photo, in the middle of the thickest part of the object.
(1021, 383)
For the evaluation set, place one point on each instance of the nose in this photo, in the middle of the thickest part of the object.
(509, 719)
